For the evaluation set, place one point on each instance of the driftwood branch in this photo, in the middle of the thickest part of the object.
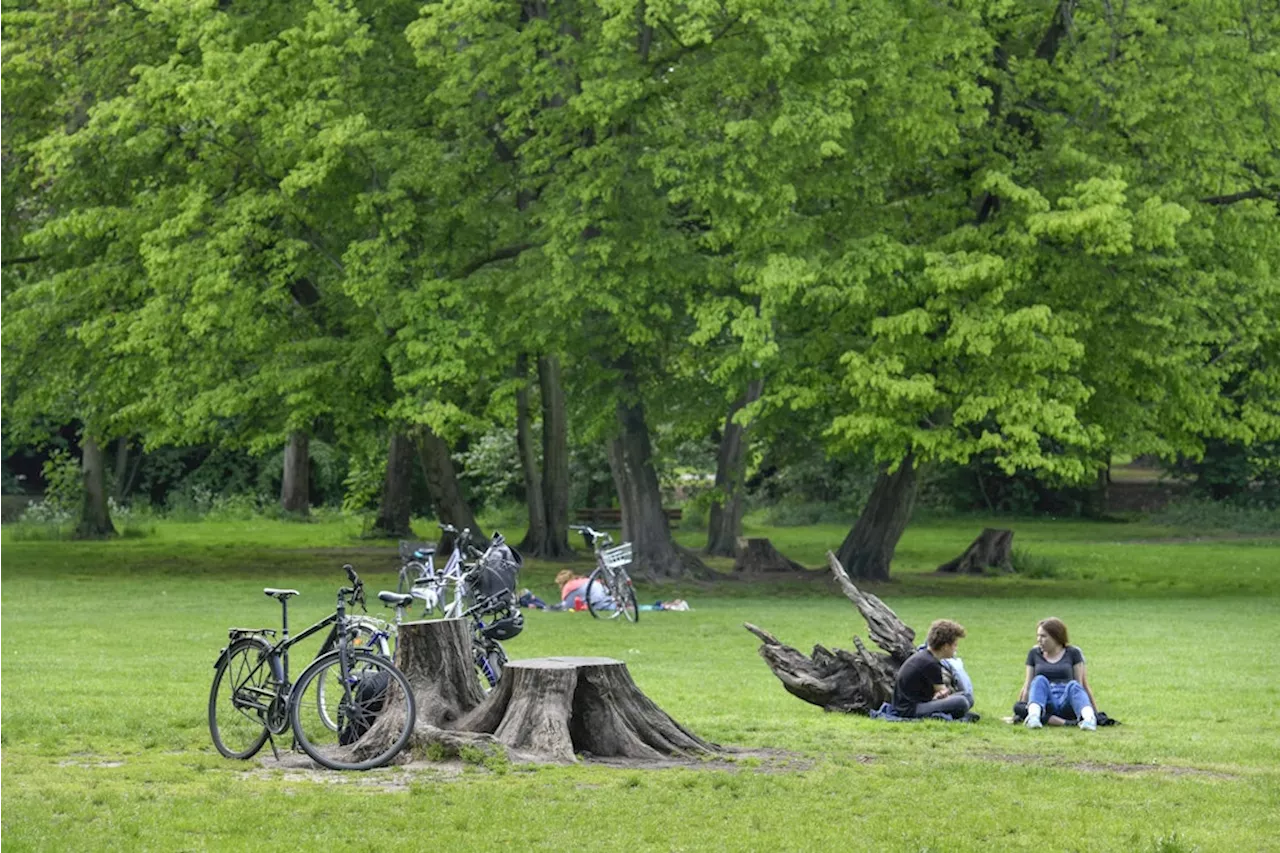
(856, 681)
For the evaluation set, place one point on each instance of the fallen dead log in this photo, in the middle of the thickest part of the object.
(838, 680)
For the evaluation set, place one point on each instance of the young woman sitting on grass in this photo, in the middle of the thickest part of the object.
(1056, 689)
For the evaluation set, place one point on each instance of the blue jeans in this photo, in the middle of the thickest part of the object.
(1064, 699)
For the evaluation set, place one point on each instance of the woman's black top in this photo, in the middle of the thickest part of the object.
(1060, 670)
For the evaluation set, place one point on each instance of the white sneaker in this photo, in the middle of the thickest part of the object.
(1033, 720)
(1088, 719)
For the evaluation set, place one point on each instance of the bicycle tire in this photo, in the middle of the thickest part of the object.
(356, 708)
(598, 612)
(238, 729)
(495, 658)
(363, 640)
(626, 597)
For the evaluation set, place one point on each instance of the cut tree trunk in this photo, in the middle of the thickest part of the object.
(535, 538)
(295, 488)
(95, 516)
(396, 506)
(442, 483)
(868, 549)
(856, 682)
(993, 547)
(560, 707)
(644, 524)
(725, 522)
(435, 655)
(555, 458)
(759, 555)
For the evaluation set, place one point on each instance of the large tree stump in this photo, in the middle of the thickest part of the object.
(559, 707)
(993, 547)
(859, 681)
(435, 655)
(759, 555)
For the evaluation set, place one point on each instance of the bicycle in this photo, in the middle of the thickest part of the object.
(610, 575)
(252, 698)
(467, 571)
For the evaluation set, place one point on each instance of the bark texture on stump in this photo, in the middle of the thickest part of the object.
(295, 486)
(759, 555)
(838, 680)
(993, 547)
(435, 655)
(396, 505)
(868, 549)
(559, 707)
(95, 515)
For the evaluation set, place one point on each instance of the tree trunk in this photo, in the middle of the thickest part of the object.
(396, 507)
(992, 548)
(561, 707)
(442, 483)
(655, 554)
(295, 489)
(758, 555)
(726, 512)
(555, 459)
(535, 538)
(857, 682)
(121, 485)
(868, 549)
(95, 517)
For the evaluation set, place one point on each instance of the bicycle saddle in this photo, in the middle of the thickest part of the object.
(281, 594)
(395, 599)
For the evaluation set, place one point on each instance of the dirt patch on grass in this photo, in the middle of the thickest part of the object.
(1108, 766)
(297, 767)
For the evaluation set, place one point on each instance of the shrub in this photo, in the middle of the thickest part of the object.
(1199, 515)
(1029, 565)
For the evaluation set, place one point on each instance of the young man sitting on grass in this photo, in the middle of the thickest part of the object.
(919, 690)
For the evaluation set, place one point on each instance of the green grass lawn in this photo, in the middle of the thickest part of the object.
(107, 654)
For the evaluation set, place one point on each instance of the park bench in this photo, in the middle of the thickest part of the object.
(602, 517)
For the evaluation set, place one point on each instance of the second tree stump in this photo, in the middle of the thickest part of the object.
(558, 707)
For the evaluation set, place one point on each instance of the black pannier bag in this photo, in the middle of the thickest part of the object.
(498, 572)
(371, 696)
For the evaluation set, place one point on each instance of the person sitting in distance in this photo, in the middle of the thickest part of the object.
(1056, 688)
(573, 589)
(918, 690)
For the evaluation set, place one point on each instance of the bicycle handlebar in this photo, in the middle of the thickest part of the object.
(355, 592)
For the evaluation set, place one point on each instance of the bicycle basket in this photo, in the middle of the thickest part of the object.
(617, 557)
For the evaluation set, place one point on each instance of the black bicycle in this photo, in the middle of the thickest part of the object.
(335, 702)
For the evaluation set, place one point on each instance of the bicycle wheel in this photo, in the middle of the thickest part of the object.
(596, 582)
(242, 693)
(367, 638)
(490, 659)
(625, 597)
(373, 687)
